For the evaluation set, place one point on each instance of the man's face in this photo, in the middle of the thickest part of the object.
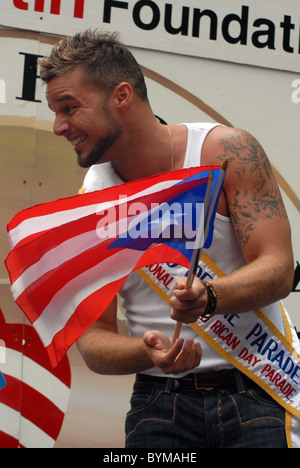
(83, 117)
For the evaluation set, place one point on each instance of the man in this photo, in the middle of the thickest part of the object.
(186, 394)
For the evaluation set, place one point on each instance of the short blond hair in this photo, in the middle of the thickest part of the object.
(106, 61)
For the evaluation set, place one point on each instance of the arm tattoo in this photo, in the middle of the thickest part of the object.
(259, 197)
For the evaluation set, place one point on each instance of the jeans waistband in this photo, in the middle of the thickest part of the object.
(194, 382)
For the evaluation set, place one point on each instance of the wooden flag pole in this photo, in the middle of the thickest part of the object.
(202, 233)
(197, 247)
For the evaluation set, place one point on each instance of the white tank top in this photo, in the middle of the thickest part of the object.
(145, 310)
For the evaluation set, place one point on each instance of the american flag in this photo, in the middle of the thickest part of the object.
(71, 256)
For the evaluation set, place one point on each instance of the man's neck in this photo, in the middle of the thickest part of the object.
(162, 152)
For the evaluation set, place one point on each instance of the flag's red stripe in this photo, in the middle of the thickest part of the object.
(88, 311)
(38, 295)
(7, 441)
(33, 406)
(168, 253)
(41, 411)
(11, 395)
(23, 257)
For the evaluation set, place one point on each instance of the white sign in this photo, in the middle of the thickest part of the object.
(265, 34)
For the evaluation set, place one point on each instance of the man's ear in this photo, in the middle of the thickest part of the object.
(122, 95)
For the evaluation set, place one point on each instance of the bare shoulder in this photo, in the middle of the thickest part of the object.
(251, 190)
(236, 144)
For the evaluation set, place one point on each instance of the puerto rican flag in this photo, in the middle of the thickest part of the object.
(70, 257)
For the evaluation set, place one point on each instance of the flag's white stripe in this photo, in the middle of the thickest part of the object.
(28, 434)
(23, 368)
(41, 223)
(73, 293)
(53, 259)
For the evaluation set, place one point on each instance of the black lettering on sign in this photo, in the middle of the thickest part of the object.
(108, 5)
(155, 13)
(183, 28)
(243, 27)
(29, 77)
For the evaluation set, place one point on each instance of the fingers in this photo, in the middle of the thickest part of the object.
(157, 341)
(180, 357)
(182, 294)
(185, 315)
(185, 356)
(166, 362)
(188, 304)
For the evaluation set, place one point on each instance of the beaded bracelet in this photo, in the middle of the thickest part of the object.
(213, 300)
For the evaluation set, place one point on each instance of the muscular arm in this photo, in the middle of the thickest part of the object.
(261, 226)
(252, 199)
(107, 352)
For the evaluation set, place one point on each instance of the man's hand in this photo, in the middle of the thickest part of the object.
(180, 357)
(188, 304)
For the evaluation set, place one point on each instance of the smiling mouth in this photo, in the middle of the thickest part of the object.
(78, 141)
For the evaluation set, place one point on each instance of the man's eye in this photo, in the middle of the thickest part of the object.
(70, 109)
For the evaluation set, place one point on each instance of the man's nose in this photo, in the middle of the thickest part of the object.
(60, 126)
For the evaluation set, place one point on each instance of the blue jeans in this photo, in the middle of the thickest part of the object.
(235, 416)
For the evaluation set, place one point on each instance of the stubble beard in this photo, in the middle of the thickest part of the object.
(103, 145)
